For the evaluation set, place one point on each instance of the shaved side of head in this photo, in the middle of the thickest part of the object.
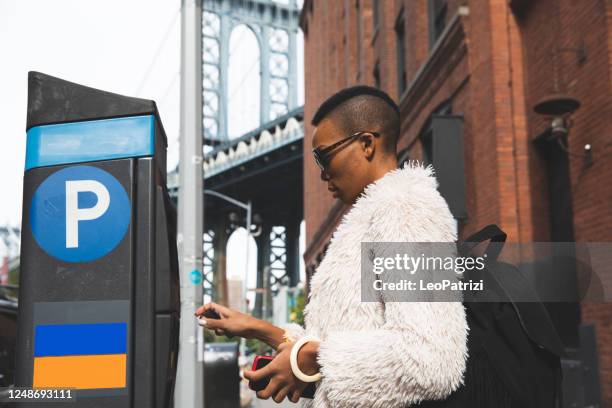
(363, 108)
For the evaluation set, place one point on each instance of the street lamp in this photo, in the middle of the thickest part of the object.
(248, 207)
(559, 107)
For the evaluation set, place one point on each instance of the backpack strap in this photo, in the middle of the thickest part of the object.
(491, 232)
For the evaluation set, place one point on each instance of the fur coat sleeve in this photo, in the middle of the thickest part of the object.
(385, 354)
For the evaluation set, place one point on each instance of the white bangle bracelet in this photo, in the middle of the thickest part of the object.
(293, 360)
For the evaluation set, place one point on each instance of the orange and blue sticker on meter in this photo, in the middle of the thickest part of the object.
(83, 356)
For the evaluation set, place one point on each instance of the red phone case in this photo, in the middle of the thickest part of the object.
(259, 362)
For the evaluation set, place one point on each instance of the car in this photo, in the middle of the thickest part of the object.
(8, 335)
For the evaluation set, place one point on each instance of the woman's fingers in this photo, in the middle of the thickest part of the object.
(200, 310)
(269, 391)
(222, 310)
(295, 396)
(212, 324)
(280, 396)
(211, 305)
(258, 374)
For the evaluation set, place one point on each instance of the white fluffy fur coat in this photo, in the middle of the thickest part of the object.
(374, 354)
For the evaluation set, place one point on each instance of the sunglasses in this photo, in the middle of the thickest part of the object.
(323, 154)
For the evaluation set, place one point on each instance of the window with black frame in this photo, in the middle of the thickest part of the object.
(442, 142)
(437, 19)
(403, 156)
(376, 13)
(426, 135)
(359, 36)
(426, 143)
(400, 36)
(376, 75)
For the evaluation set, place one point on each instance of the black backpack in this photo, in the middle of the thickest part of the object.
(514, 350)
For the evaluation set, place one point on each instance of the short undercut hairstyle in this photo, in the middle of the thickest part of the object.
(363, 108)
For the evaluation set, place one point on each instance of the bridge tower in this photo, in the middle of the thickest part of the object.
(275, 25)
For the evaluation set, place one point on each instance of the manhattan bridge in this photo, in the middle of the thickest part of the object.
(262, 165)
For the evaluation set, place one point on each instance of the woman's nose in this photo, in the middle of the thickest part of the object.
(324, 176)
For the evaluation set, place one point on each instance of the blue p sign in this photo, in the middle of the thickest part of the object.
(79, 214)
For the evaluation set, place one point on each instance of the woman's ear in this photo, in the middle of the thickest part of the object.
(367, 144)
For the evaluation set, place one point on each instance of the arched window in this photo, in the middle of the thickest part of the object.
(244, 82)
(237, 267)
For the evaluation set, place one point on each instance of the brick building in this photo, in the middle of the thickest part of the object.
(467, 75)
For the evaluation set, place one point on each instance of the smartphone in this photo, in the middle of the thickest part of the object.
(212, 314)
(262, 361)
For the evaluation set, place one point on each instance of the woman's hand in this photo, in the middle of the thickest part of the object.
(231, 322)
(282, 381)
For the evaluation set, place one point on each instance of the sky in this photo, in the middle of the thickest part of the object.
(127, 47)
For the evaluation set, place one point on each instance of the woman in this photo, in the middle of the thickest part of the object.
(368, 354)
